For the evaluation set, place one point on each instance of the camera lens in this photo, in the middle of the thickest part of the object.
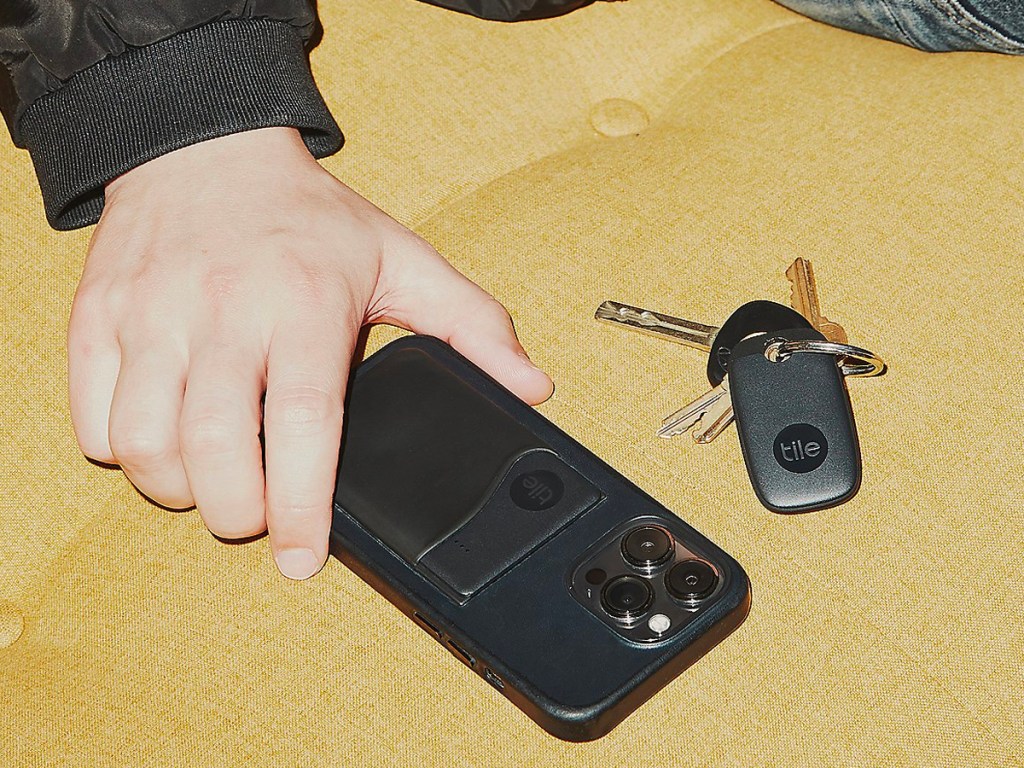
(647, 547)
(691, 580)
(626, 597)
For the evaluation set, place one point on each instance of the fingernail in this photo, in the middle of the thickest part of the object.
(297, 563)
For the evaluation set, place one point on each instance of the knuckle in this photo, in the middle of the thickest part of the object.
(222, 283)
(89, 311)
(407, 240)
(89, 298)
(488, 311)
(302, 408)
(297, 510)
(496, 310)
(208, 435)
(306, 283)
(139, 447)
(423, 249)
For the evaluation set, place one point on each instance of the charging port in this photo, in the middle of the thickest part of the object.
(427, 625)
(494, 680)
(463, 653)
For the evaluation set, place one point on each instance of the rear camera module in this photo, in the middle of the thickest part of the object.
(643, 581)
(626, 597)
(647, 547)
(691, 580)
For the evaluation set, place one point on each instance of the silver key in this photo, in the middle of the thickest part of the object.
(710, 413)
(696, 335)
(706, 413)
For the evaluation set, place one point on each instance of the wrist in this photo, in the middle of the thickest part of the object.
(217, 79)
(223, 154)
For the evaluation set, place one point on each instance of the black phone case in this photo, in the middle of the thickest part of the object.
(481, 520)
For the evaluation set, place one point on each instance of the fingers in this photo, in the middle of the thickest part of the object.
(143, 427)
(442, 302)
(219, 438)
(302, 420)
(93, 361)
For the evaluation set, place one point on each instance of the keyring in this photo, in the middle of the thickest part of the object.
(864, 363)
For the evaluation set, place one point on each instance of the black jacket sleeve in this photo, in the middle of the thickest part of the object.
(93, 88)
(512, 10)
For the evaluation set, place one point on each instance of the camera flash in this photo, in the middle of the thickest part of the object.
(659, 623)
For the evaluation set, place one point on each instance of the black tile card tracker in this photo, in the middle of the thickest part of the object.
(560, 582)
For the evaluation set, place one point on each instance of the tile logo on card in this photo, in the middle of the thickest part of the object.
(800, 448)
(537, 490)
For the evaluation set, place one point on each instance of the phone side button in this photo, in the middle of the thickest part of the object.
(425, 623)
(462, 653)
(494, 680)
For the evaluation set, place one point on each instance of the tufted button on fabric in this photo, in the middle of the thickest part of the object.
(618, 117)
(11, 623)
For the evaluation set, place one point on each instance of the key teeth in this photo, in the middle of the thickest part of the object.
(695, 428)
(669, 430)
(672, 426)
(674, 430)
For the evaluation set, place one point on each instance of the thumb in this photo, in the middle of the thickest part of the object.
(484, 333)
(436, 300)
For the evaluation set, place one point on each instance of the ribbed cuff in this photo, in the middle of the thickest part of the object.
(221, 78)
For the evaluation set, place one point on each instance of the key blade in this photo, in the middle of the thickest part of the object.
(692, 334)
(691, 414)
(804, 293)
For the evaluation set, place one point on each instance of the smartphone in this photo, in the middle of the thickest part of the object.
(563, 585)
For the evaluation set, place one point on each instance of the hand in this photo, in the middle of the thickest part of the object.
(235, 267)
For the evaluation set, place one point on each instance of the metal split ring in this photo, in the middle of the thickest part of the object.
(854, 361)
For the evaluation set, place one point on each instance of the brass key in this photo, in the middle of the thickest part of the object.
(804, 299)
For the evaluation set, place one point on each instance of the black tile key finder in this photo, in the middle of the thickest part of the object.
(795, 424)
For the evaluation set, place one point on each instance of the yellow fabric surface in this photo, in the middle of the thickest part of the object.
(676, 155)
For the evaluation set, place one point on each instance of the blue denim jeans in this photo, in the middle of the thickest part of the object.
(931, 25)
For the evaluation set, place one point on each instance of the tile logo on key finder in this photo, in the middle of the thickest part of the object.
(537, 490)
(800, 448)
